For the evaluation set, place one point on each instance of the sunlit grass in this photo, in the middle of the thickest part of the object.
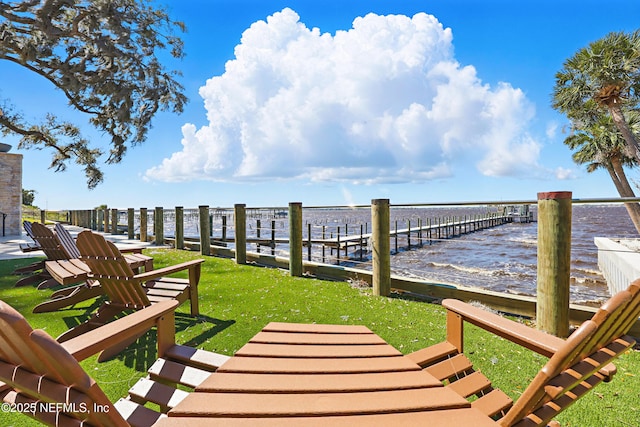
(238, 301)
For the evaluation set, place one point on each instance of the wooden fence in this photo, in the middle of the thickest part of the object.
(551, 307)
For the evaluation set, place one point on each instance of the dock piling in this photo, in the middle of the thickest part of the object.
(554, 262)
(295, 239)
(381, 250)
(240, 218)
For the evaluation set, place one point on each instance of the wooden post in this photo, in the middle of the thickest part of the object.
(338, 247)
(240, 218)
(114, 221)
(295, 239)
(258, 225)
(554, 262)
(309, 242)
(94, 219)
(205, 232)
(158, 225)
(273, 237)
(143, 224)
(131, 214)
(381, 247)
(179, 242)
(323, 245)
(105, 218)
(224, 228)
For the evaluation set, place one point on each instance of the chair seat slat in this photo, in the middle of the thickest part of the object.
(452, 367)
(170, 371)
(493, 402)
(147, 390)
(471, 384)
(195, 357)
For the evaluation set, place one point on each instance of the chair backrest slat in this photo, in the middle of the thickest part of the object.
(110, 268)
(618, 316)
(15, 348)
(634, 308)
(66, 241)
(27, 228)
(578, 363)
(48, 242)
(39, 369)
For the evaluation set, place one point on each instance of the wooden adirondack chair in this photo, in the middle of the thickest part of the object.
(72, 270)
(127, 291)
(35, 369)
(29, 246)
(52, 250)
(576, 365)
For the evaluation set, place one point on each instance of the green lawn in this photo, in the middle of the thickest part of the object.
(237, 301)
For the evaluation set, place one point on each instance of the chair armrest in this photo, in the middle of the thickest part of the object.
(533, 339)
(128, 250)
(154, 274)
(119, 330)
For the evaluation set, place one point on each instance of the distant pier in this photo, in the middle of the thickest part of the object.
(425, 232)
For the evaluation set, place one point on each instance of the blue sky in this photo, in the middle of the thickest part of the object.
(336, 102)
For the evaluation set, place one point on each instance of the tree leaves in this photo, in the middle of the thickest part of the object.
(602, 80)
(102, 55)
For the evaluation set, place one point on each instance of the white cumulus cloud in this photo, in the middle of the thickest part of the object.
(385, 101)
(564, 173)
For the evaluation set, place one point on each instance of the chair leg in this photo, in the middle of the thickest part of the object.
(194, 278)
(77, 295)
(47, 283)
(113, 351)
(29, 280)
(39, 265)
(67, 291)
(105, 314)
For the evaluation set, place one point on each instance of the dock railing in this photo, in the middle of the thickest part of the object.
(285, 236)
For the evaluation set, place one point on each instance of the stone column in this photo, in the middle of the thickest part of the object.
(11, 194)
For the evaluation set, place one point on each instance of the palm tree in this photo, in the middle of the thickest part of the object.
(603, 78)
(599, 144)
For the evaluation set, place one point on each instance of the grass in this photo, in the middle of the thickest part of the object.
(237, 301)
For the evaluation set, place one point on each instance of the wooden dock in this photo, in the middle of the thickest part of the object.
(345, 245)
(425, 232)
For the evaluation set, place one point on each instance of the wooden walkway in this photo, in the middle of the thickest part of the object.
(432, 230)
(424, 232)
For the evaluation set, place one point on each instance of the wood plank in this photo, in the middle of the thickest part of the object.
(15, 346)
(199, 358)
(315, 365)
(312, 383)
(147, 390)
(67, 272)
(97, 340)
(448, 368)
(434, 353)
(316, 338)
(461, 417)
(493, 403)
(38, 386)
(317, 404)
(137, 415)
(316, 328)
(177, 373)
(164, 293)
(471, 384)
(533, 339)
(316, 351)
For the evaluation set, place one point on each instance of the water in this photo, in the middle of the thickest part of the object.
(502, 258)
